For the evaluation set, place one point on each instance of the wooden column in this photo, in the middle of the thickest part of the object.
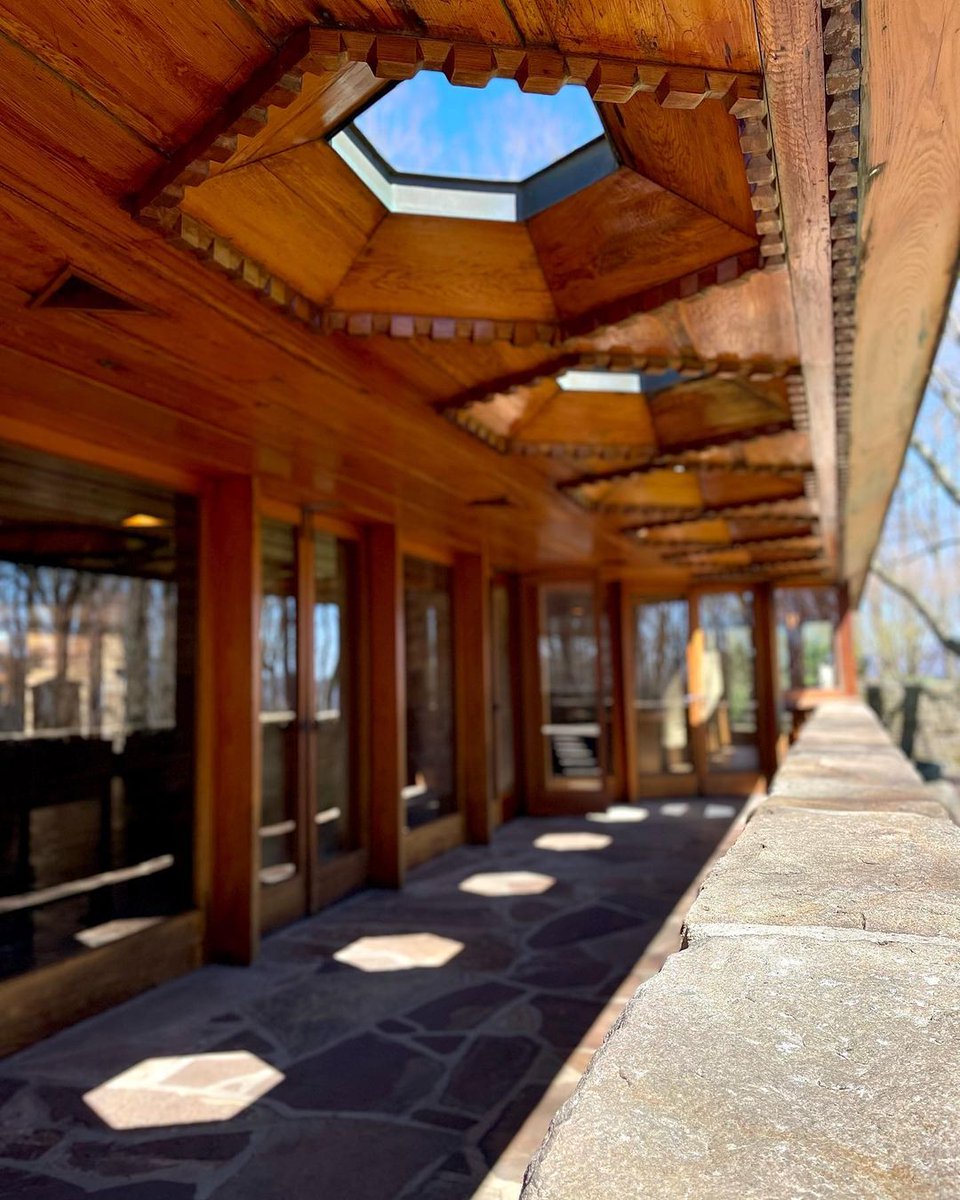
(844, 644)
(471, 639)
(530, 712)
(229, 722)
(765, 643)
(386, 690)
(622, 656)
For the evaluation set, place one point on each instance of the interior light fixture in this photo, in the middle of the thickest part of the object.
(143, 521)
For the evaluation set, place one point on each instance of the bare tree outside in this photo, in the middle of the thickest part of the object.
(910, 613)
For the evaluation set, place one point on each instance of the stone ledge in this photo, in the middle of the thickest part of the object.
(771, 1067)
(864, 800)
(884, 872)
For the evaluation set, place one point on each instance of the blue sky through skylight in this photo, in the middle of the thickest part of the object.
(426, 126)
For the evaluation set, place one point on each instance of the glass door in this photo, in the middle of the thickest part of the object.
(728, 687)
(309, 820)
(661, 726)
(570, 688)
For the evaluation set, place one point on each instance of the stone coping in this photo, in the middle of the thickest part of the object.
(806, 1041)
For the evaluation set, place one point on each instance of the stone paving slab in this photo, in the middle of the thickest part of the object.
(882, 872)
(772, 1067)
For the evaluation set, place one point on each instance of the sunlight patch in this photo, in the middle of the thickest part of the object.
(563, 842)
(188, 1089)
(719, 812)
(619, 814)
(399, 952)
(508, 883)
(675, 809)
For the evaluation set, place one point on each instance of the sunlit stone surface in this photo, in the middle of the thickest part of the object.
(620, 814)
(573, 841)
(186, 1090)
(399, 952)
(508, 883)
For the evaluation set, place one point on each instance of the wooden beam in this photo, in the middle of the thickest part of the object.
(229, 639)
(910, 234)
(471, 634)
(791, 45)
(384, 576)
(845, 645)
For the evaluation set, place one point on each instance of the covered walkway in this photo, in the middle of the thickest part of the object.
(398, 1045)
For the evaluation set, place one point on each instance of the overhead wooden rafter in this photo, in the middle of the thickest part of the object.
(344, 264)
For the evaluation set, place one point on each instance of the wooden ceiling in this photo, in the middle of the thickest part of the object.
(260, 270)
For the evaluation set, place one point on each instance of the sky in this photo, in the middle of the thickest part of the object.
(425, 126)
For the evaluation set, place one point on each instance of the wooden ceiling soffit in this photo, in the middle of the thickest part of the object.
(228, 140)
(761, 549)
(772, 512)
(512, 415)
(816, 569)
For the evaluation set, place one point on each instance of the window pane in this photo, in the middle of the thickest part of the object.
(662, 630)
(97, 626)
(428, 608)
(569, 666)
(333, 681)
(729, 681)
(278, 702)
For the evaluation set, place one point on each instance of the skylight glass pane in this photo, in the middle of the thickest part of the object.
(426, 126)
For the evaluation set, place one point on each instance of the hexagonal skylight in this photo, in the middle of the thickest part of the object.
(429, 147)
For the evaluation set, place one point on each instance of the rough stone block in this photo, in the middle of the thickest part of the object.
(866, 800)
(882, 872)
(771, 1067)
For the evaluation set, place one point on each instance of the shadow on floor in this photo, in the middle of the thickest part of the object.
(389, 1048)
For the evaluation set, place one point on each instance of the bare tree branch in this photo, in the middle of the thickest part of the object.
(927, 551)
(950, 642)
(936, 470)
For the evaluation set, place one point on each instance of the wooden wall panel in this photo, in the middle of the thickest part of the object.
(429, 266)
(614, 219)
(693, 152)
(159, 68)
(303, 214)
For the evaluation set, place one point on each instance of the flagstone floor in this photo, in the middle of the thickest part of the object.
(398, 1046)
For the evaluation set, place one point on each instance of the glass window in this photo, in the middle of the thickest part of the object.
(807, 619)
(660, 700)
(97, 628)
(278, 702)
(569, 674)
(430, 790)
(728, 686)
(427, 126)
(333, 681)
(503, 747)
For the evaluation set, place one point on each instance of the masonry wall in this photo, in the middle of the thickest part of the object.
(807, 1039)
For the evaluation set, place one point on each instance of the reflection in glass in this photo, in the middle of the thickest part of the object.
(661, 632)
(278, 702)
(97, 621)
(430, 791)
(807, 619)
(569, 674)
(729, 699)
(503, 749)
(332, 677)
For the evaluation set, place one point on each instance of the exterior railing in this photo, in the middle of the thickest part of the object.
(806, 1041)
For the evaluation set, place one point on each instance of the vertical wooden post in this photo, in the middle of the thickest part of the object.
(698, 732)
(611, 594)
(530, 713)
(471, 639)
(844, 642)
(387, 692)
(516, 643)
(230, 673)
(765, 643)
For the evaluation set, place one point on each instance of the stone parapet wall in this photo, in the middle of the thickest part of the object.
(806, 1041)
